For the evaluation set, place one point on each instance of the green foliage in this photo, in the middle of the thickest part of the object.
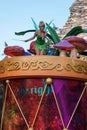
(53, 34)
(75, 31)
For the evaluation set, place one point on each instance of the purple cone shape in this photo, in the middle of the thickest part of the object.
(64, 45)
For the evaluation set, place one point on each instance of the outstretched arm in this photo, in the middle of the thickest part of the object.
(33, 37)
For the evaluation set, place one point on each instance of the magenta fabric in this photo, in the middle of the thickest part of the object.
(28, 93)
(68, 93)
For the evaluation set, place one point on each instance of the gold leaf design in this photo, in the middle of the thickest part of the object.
(80, 68)
(42, 64)
(11, 66)
(32, 64)
(2, 68)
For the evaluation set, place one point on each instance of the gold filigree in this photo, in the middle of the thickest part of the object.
(77, 67)
(32, 64)
(40, 64)
(85, 70)
(2, 68)
(11, 66)
(25, 65)
(43, 64)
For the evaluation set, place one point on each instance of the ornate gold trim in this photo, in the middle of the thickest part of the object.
(38, 64)
(79, 68)
(32, 64)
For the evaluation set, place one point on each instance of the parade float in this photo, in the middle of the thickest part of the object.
(45, 92)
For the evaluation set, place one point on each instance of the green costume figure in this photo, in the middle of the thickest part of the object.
(40, 43)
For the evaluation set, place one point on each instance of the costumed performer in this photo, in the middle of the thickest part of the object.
(40, 44)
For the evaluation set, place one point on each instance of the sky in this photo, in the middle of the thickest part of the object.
(15, 16)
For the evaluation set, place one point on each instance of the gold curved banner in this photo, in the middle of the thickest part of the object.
(43, 66)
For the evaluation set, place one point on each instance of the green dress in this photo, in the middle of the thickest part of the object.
(40, 43)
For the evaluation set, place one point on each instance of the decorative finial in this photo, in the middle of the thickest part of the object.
(49, 81)
(86, 84)
(7, 81)
(65, 129)
(31, 128)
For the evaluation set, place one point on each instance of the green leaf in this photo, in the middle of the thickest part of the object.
(53, 34)
(84, 30)
(74, 31)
